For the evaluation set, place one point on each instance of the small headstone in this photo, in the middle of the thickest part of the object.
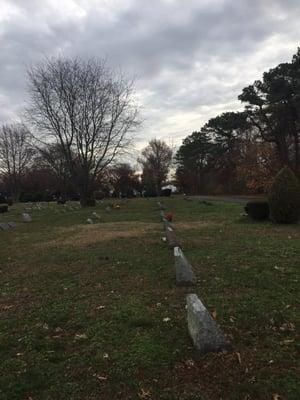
(89, 221)
(26, 217)
(184, 272)
(96, 215)
(204, 331)
(4, 226)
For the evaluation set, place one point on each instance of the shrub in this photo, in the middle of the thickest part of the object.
(166, 192)
(284, 197)
(61, 201)
(3, 208)
(89, 202)
(257, 209)
(150, 193)
(3, 198)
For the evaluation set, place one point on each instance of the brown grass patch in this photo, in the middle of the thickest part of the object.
(196, 225)
(86, 235)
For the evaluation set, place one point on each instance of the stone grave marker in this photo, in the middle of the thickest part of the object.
(171, 237)
(203, 329)
(26, 217)
(184, 272)
(96, 215)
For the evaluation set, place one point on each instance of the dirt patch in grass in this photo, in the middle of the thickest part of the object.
(86, 235)
(196, 225)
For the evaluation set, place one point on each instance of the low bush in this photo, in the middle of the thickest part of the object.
(166, 192)
(284, 197)
(3, 198)
(61, 201)
(257, 209)
(3, 208)
(90, 202)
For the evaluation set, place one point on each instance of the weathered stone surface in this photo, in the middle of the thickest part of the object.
(204, 331)
(96, 215)
(171, 238)
(4, 226)
(26, 217)
(184, 271)
(167, 224)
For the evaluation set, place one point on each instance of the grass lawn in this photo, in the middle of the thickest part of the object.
(82, 307)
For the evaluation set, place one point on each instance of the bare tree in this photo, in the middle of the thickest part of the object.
(156, 161)
(88, 110)
(16, 154)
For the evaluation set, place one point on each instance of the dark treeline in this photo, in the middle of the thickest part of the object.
(240, 152)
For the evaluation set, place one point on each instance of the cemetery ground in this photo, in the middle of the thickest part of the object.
(93, 312)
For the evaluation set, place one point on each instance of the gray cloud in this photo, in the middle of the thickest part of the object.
(191, 58)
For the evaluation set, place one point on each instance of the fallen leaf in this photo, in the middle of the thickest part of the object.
(81, 336)
(101, 378)
(287, 326)
(190, 363)
(143, 394)
(288, 341)
(214, 314)
(275, 396)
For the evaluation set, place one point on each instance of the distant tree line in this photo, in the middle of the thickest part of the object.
(80, 119)
(240, 152)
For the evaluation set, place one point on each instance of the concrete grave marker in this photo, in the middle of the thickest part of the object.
(4, 226)
(184, 272)
(171, 237)
(204, 331)
(96, 215)
(26, 217)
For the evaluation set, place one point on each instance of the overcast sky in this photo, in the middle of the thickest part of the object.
(191, 58)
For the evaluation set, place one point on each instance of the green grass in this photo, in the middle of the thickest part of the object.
(82, 306)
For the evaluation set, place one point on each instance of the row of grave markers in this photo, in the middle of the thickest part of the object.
(203, 329)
